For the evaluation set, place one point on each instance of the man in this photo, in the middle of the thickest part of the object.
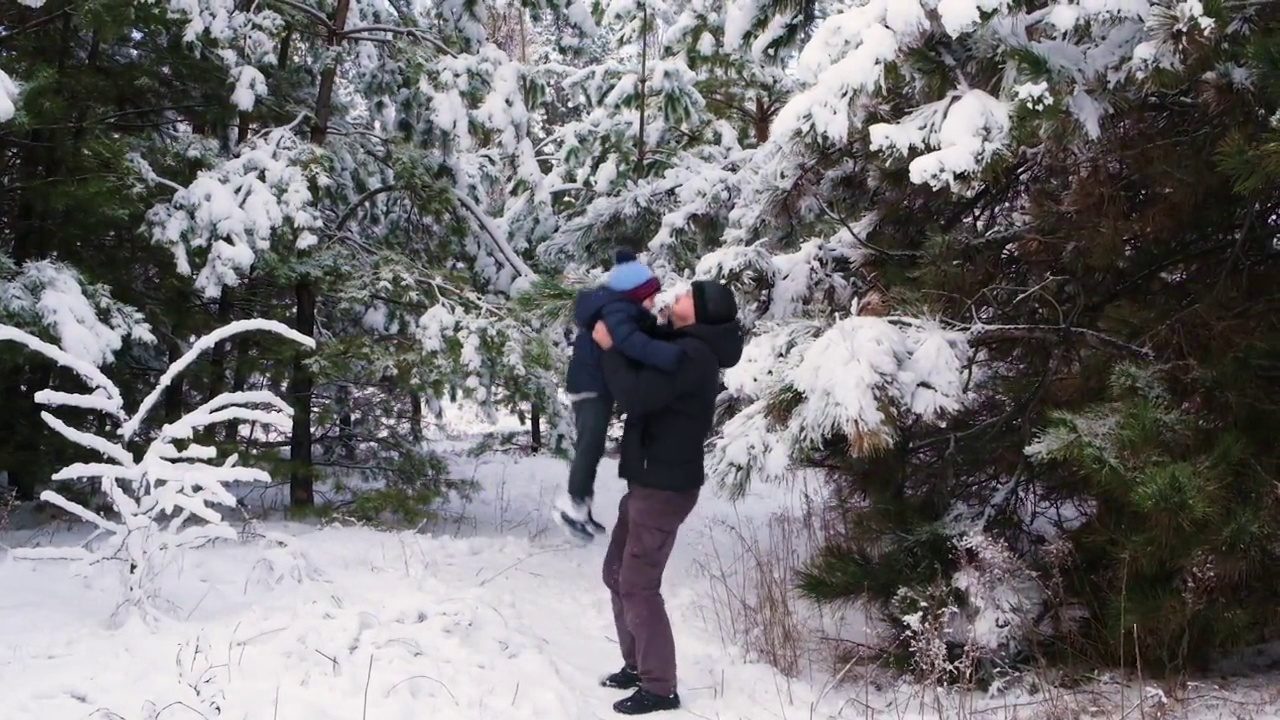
(669, 416)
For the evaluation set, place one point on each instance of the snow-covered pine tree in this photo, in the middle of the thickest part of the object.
(94, 87)
(51, 301)
(1173, 462)
(370, 199)
(647, 136)
(1010, 180)
(652, 129)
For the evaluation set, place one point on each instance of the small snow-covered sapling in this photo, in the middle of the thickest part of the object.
(155, 497)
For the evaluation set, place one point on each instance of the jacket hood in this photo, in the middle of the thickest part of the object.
(589, 303)
(726, 341)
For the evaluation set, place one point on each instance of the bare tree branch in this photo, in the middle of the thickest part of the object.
(315, 15)
(979, 335)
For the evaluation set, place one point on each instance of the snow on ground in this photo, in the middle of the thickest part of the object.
(488, 614)
(494, 615)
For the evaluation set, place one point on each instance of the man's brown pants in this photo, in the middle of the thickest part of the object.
(633, 565)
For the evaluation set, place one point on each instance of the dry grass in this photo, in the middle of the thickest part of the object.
(753, 605)
(8, 499)
(751, 570)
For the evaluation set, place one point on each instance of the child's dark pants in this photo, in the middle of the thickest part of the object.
(591, 418)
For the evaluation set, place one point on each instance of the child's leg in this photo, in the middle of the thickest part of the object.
(591, 418)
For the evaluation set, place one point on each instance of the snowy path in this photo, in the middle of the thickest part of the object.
(505, 621)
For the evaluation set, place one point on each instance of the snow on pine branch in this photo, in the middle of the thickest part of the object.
(859, 379)
(9, 94)
(792, 282)
(241, 39)
(175, 480)
(234, 212)
(691, 189)
(1070, 55)
(643, 150)
(87, 322)
(105, 396)
(965, 131)
(478, 102)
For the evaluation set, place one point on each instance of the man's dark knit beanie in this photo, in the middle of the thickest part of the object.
(713, 303)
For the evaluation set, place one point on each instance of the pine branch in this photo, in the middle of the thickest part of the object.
(359, 202)
(548, 300)
(35, 24)
(505, 251)
(979, 335)
(319, 17)
(363, 33)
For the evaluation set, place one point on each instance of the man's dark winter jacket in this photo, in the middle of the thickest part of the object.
(669, 416)
(627, 321)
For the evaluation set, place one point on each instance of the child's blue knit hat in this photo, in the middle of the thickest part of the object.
(630, 277)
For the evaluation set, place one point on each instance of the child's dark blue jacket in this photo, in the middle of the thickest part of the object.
(624, 318)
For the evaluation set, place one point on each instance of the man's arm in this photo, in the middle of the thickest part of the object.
(633, 342)
(644, 389)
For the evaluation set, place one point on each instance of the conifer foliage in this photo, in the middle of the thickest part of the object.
(1008, 268)
(995, 258)
(1048, 189)
(357, 170)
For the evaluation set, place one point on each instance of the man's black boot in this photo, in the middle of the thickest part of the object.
(643, 702)
(625, 679)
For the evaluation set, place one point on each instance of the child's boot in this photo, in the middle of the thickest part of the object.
(574, 516)
(595, 527)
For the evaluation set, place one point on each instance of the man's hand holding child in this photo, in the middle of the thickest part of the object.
(601, 335)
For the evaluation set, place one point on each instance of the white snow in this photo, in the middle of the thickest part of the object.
(737, 21)
(233, 212)
(1000, 593)
(105, 395)
(1034, 95)
(250, 85)
(493, 616)
(154, 496)
(966, 130)
(9, 92)
(487, 614)
(55, 297)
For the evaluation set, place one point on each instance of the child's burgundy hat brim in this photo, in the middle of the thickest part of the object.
(644, 290)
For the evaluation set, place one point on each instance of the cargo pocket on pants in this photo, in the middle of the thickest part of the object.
(648, 549)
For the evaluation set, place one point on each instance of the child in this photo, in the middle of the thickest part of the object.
(623, 304)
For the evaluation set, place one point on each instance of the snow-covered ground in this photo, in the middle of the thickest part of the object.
(493, 615)
(490, 615)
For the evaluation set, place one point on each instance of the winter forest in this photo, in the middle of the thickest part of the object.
(285, 296)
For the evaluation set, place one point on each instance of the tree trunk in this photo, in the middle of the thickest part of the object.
(173, 394)
(762, 120)
(346, 426)
(524, 35)
(643, 89)
(535, 426)
(218, 357)
(239, 379)
(328, 76)
(302, 479)
(415, 416)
